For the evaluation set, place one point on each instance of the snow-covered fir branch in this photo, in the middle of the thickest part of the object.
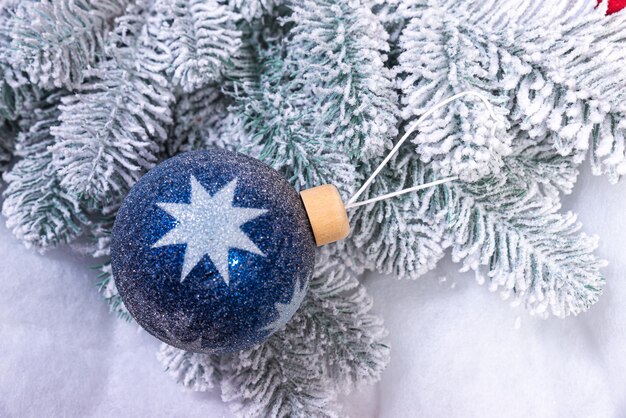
(202, 120)
(561, 73)
(516, 239)
(8, 132)
(14, 86)
(401, 235)
(202, 36)
(338, 52)
(507, 228)
(553, 173)
(37, 208)
(281, 126)
(436, 62)
(55, 41)
(17, 95)
(115, 125)
(196, 371)
(253, 9)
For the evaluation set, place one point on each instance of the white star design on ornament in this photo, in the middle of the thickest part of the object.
(286, 310)
(209, 225)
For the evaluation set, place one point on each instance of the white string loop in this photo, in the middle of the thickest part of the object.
(352, 203)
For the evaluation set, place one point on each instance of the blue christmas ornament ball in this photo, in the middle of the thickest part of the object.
(212, 251)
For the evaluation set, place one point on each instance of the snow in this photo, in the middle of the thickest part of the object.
(457, 349)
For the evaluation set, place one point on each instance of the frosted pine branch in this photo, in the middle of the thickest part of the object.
(16, 92)
(535, 159)
(9, 100)
(391, 14)
(253, 9)
(56, 40)
(278, 379)
(563, 70)
(8, 132)
(400, 235)
(202, 120)
(339, 51)
(198, 372)
(437, 62)
(332, 341)
(281, 126)
(115, 125)
(581, 67)
(202, 36)
(37, 208)
(338, 312)
(517, 240)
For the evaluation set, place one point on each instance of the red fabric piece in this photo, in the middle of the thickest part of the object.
(615, 6)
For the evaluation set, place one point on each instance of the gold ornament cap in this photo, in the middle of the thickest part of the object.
(327, 213)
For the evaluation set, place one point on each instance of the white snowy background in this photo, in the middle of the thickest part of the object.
(457, 350)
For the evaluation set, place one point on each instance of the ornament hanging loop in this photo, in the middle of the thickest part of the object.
(352, 203)
(327, 212)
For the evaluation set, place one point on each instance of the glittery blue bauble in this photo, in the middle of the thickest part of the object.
(212, 251)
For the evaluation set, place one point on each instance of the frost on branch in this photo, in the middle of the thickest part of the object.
(37, 209)
(573, 89)
(338, 50)
(202, 120)
(438, 61)
(402, 235)
(253, 9)
(332, 342)
(338, 313)
(196, 371)
(562, 68)
(115, 125)
(276, 113)
(56, 40)
(202, 37)
(16, 92)
(519, 242)
(7, 95)
(535, 159)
